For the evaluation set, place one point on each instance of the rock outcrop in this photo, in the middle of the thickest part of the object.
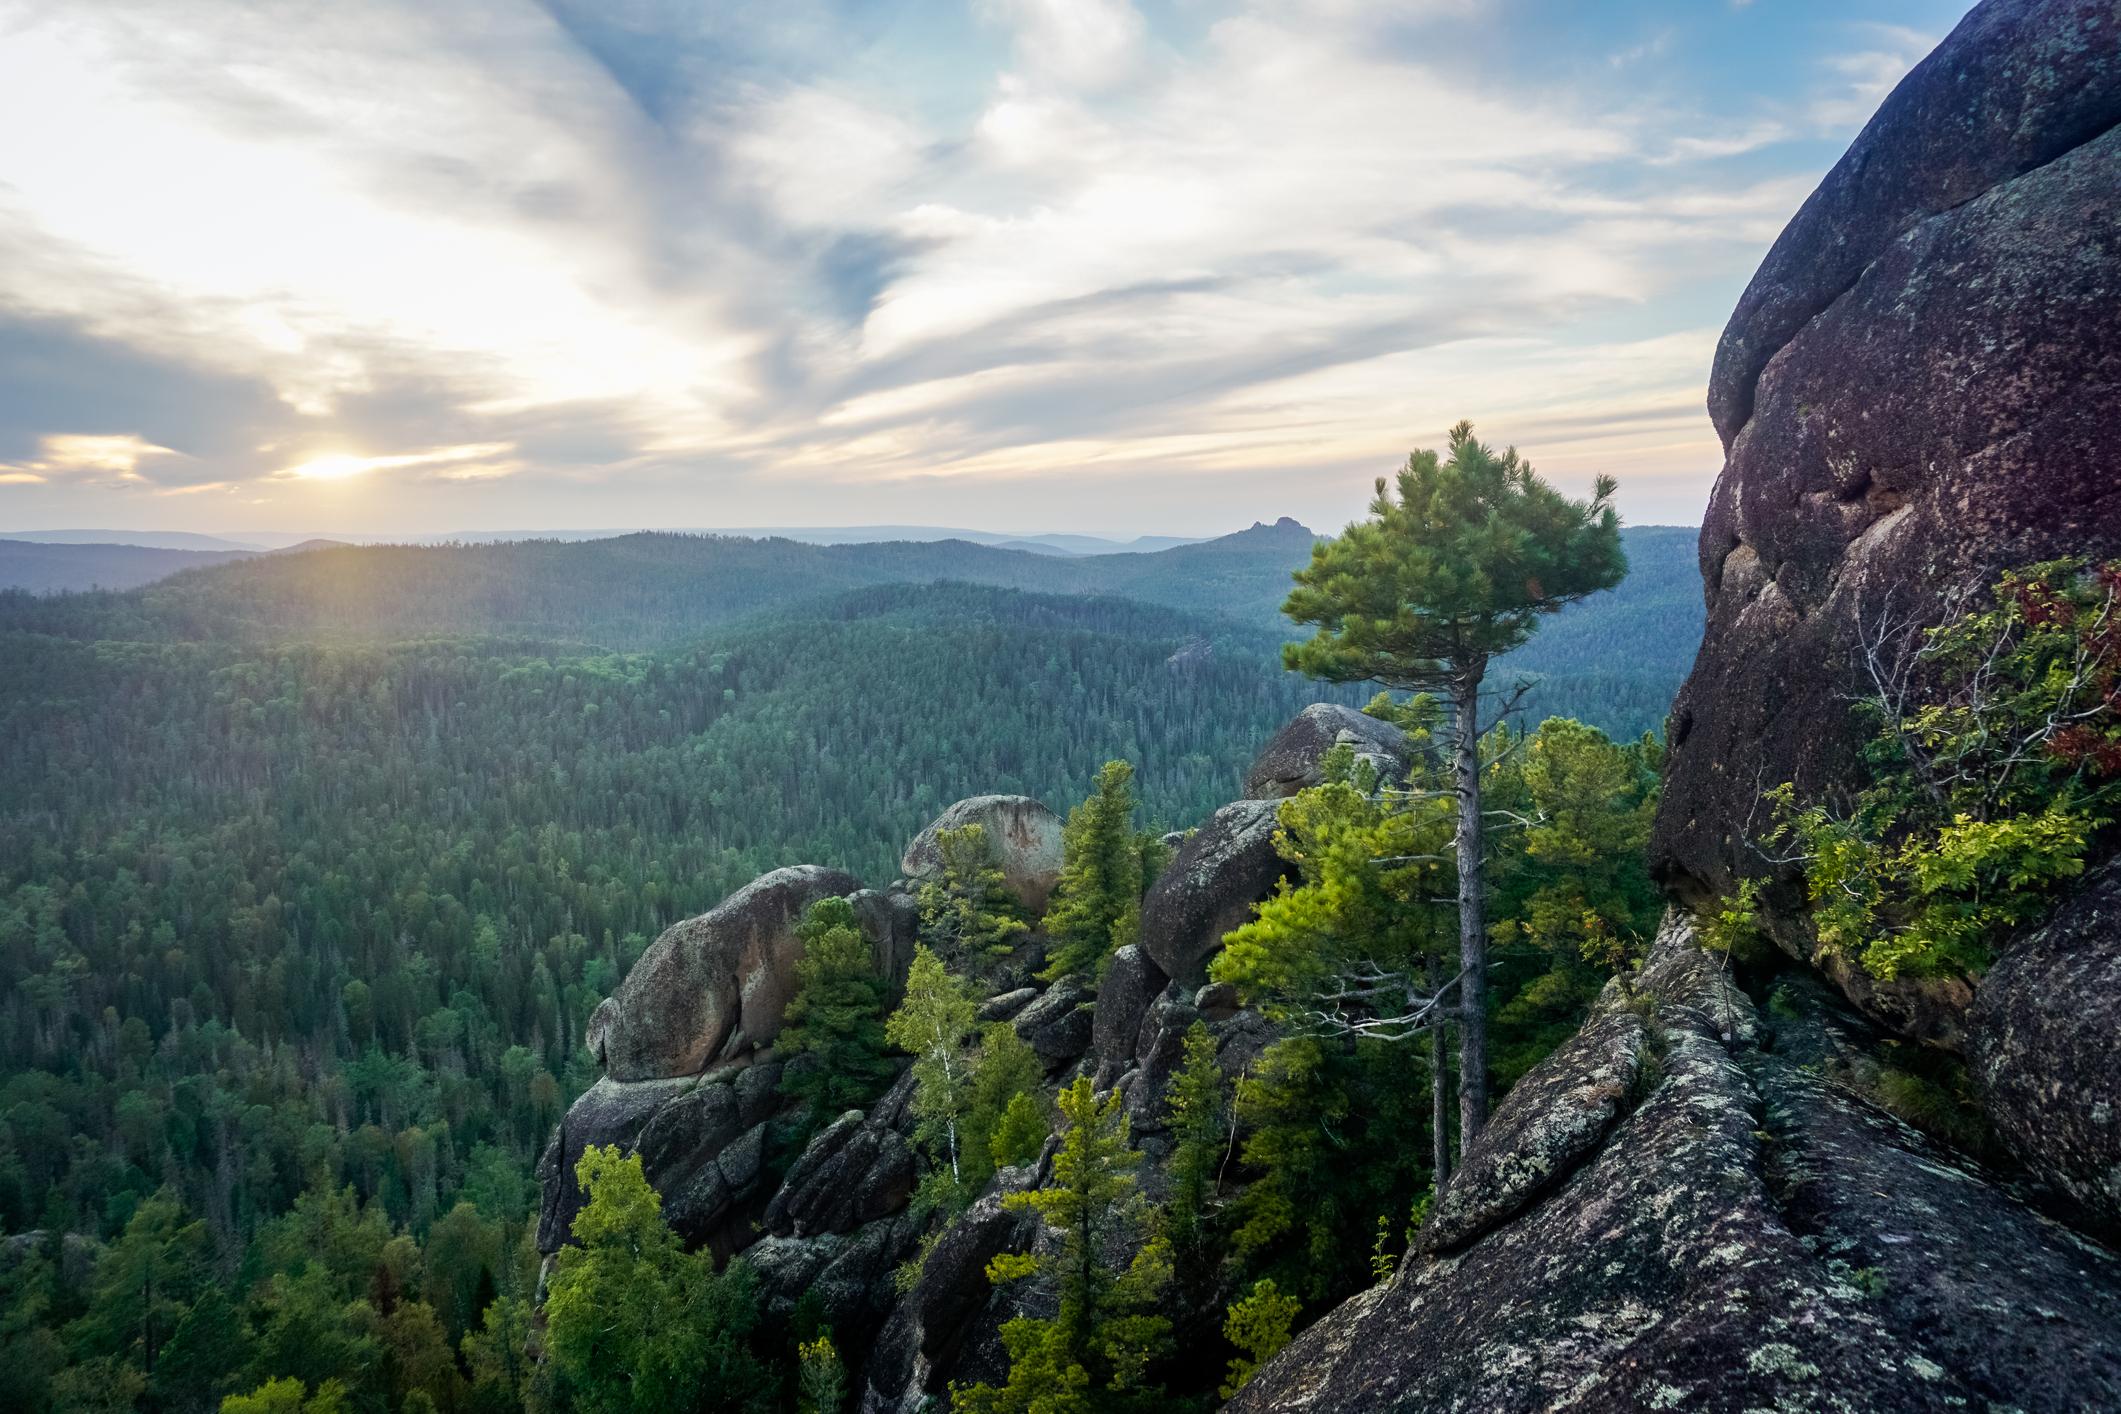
(1291, 761)
(1914, 394)
(1211, 886)
(2044, 1043)
(1026, 837)
(713, 985)
(1739, 1233)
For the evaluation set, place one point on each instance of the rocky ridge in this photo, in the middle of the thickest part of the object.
(1679, 1210)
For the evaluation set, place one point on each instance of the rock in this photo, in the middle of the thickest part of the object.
(1211, 886)
(758, 1092)
(728, 971)
(1158, 1056)
(920, 1343)
(1058, 1025)
(851, 1173)
(1218, 1002)
(1291, 761)
(891, 922)
(1555, 1115)
(2043, 1041)
(895, 1110)
(1123, 998)
(1008, 1004)
(850, 1273)
(1914, 394)
(1743, 1235)
(608, 1112)
(1026, 837)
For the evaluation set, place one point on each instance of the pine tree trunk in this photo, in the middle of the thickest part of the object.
(1472, 923)
(1440, 1083)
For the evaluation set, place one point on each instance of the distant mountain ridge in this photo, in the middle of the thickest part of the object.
(635, 592)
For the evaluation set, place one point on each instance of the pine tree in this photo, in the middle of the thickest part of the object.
(1198, 1127)
(1094, 1355)
(1455, 572)
(1096, 908)
(837, 1014)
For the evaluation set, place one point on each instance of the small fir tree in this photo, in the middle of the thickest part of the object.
(1004, 1072)
(837, 1014)
(1259, 1326)
(1094, 1355)
(970, 914)
(1096, 908)
(1198, 1127)
(1021, 1136)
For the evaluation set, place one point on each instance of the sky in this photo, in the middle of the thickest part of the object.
(1160, 267)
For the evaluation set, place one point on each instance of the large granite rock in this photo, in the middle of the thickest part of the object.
(2044, 1043)
(608, 1112)
(1026, 837)
(1291, 761)
(1914, 395)
(1212, 886)
(702, 1147)
(1743, 1234)
(714, 983)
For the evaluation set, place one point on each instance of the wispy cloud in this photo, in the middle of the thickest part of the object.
(708, 264)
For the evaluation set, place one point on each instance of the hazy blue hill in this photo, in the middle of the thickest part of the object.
(636, 591)
(50, 568)
(1616, 659)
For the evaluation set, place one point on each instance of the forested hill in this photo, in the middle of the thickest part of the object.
(635, 592)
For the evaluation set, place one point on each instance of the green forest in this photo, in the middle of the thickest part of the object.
(305, 899)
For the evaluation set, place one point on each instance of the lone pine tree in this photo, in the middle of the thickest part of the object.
(1451, 574)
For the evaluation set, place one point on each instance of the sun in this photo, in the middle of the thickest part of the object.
(331, 468)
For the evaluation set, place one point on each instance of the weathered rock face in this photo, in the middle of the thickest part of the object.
(927, 1331)
(1741, 1235)
(1914, 395)
(1057, 1026)
(1290, 762)
(608, 1112)
(1212, 883)
(1131, 983)
(1026, 838)
(853, 1172)
(2044, 1042)
(709, 982)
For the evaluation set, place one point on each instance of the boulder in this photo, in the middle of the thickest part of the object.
(1914, 395)
(1058, 1025)
(2044, 1044)
(1291, 761)
(850, 1273)
(1123, 999)
(1026, 837)
(713, 982)
(1006, 1005)
(1211, 886)
(852, 1172)
(608, 1112)
(1741, 1233)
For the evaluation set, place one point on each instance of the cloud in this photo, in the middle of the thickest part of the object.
(707, 256)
